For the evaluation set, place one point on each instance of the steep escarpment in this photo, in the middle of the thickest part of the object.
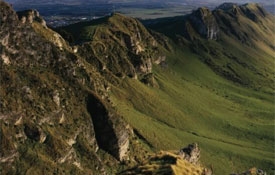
(33, 18)
(204, 23)
(248, 23)
(110, 137)
(216, 35)
(252, 26)
(47, 123)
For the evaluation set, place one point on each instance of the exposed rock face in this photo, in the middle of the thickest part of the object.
(33, 18)
(56, 98)
(123, 143)
(252, 171)
(28, 16)
(252, 11)
(249, 24)
(205, 23)
(43, 109)
(232, 20)
(121, 47)
(150, 80)
(7, 15)
(167, 163)
(191, 153)
(109, 137)
(227, 6)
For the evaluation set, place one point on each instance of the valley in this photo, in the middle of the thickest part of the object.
(116, 95)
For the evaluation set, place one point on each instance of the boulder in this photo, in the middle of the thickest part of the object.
(191, 153)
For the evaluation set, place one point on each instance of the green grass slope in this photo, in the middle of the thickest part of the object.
(219, 93)
(233, 124)
(243, 47)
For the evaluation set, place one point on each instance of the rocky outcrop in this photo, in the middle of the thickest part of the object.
(205, 23)
(150, 80)
(191, 153)
(253, 11)
(233, 21)
(7, 15)
(43, 111)
(32, 17)
(29, 16)
(168, 163)
(227, 6)
(111, 137)
(251, 171)
(122, 46)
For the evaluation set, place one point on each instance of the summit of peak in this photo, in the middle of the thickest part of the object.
(227, 6)
(7, 14)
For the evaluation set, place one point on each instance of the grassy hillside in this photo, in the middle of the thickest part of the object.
(217, 91)
(116, 92)
(233, 124)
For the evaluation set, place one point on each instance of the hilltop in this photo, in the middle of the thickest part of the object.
(105, 96)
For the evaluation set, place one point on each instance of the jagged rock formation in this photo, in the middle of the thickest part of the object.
(227, 6)
(111, 138)
(119, 46)
(30, 16)
(231, 19)
(191, 153)
(251, 171)
(33, 18)
(166, 163)
(47, 123)
(205, 23)
(225, 18)
(248, 24)
(150, 80)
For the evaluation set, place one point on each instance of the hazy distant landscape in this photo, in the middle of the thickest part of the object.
(60, 13)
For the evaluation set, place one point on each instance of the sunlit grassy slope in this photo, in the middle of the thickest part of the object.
(219, 93)
(234, 125)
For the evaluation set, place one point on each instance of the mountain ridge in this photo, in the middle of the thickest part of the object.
(68, 104)
(223, 25)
